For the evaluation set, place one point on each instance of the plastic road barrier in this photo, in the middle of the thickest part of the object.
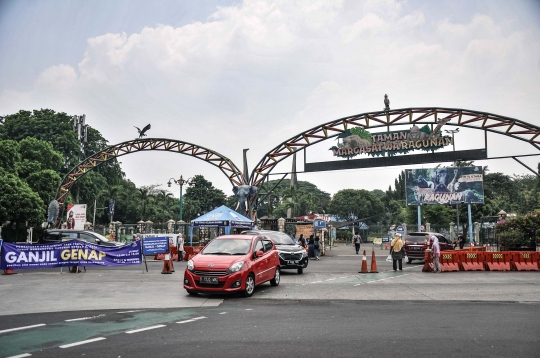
(525, 261)
(497, 261)
(449, 261)
(471, 261)
(428, 261)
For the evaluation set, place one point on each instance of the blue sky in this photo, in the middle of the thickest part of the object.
(219, 73)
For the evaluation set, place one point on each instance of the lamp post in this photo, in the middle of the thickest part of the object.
(452, 131)
(180, 182)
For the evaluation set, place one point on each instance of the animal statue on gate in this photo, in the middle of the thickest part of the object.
(243, 194)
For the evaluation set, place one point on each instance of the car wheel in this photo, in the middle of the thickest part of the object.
(191, 293)
(250, 286)
(307, 262)
(300, 270)
(277, 277)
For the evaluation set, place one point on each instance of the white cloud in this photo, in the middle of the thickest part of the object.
(255, 74)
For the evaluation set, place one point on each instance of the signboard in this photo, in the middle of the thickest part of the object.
(155, 245)
(76, 216)
(111, 207)
(319, 224)
(68, 253)
(386, 239)
(377, 241)
(451, 185)
(357, 140)
(400, 230)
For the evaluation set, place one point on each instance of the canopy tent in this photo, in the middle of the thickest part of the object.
(221, 217)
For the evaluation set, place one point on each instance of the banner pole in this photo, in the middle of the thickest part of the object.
(419, 217)
(471, 239)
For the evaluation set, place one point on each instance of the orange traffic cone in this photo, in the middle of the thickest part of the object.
(9, 272)
(373, 263)
(428, 262)
(386, 247)
(364, 264)
(167, 265)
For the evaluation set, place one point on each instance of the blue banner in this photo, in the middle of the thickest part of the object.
(68, 253)
(155, 245)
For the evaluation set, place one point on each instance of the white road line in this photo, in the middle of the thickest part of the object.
(343, 277)
(194, 319)
(317, 282)
(249, 309)
(130, 311)
(145, 329)
(330, 279)
(358, 284)
(223, 313)
(21, 355)
(388, 278)
(83, 318)
(19, 328)
(83, 342)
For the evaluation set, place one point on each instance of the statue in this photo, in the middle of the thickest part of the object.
(440, 123)
(386, 103)
(244, 193)
(416, 134)
(142, 133)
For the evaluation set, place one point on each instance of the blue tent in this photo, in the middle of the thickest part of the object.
(221, 217)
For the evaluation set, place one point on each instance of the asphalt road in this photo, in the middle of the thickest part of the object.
(285, 328)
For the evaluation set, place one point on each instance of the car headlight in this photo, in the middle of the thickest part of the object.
(237, 266)
(190, 265)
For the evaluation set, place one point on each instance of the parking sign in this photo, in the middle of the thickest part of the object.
(319, 224)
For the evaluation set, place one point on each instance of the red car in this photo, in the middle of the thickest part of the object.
(416, 244)
(233, 263)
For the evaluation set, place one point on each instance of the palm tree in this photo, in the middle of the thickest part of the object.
(309, 200)
(163, 197)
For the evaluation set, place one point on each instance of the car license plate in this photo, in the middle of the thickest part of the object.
(292, 262)
(415, 248)
(209, 280)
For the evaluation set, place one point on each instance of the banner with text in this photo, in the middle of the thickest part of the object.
(68, 253)
(452, 185)
(76, 216)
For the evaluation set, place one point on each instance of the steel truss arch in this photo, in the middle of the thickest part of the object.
(224, 164)
(487, 122)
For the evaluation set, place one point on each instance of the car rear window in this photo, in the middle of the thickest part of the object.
(417, 238)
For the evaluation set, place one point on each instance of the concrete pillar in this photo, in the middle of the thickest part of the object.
(476, 232)
(88, 226)
(140, 227)
(281, 225)
(149, 227)
(452, 231)
(170, 226)
(404, 229)
(428, 227)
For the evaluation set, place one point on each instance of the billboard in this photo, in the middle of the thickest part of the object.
(76, 216)
(450, 185)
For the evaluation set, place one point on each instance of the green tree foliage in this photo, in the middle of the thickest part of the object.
(201, 197)
(352, 204)
(18, 202)
(9, 155)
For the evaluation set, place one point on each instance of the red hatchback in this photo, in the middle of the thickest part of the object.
(233, 263)
(416, 244)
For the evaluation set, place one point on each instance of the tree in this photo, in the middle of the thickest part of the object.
(18, 202)
(201, 196)
(9, 155)
(351, 204)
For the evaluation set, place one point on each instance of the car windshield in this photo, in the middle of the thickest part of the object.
(101, 237)
(417, 238)
(281, 239)
(227, 247)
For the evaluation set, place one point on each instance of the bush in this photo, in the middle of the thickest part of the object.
(521, 231)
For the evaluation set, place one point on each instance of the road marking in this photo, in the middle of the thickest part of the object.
(317, 282)
(343, 277)
(388, 278)
(194, 319)
(130, 311)
(223, 313)
(19, 328)
(358, 284)
(84, 318)
(249, 309)
(330, 279)
(145, 329)
(21, 355)
(83, 342)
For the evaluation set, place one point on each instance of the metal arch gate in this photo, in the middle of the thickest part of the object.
(487, 122)
(224, 164)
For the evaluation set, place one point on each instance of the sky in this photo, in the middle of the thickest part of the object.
(229, 75)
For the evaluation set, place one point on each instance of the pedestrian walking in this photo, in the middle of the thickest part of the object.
(397, 252)
(436, 250)
(311, 243)
(357, 239)
(317, 247)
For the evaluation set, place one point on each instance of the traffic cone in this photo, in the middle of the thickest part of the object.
(9, 272)
(386, 247)
(364, 264)
(373, 263)
(428, 262)
(167, 265)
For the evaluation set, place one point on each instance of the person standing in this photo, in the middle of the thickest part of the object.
(180, 246)
(461, 240)
(317, 247)
(302, 241)
(356, 240)
(436, 250)
(311, 243)
(397, 252)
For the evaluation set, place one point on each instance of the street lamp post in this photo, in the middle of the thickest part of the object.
(180, 182)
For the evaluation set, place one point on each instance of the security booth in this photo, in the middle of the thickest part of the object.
(222, 217)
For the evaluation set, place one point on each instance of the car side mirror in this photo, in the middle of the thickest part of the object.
(259, 253)
(98, 241)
